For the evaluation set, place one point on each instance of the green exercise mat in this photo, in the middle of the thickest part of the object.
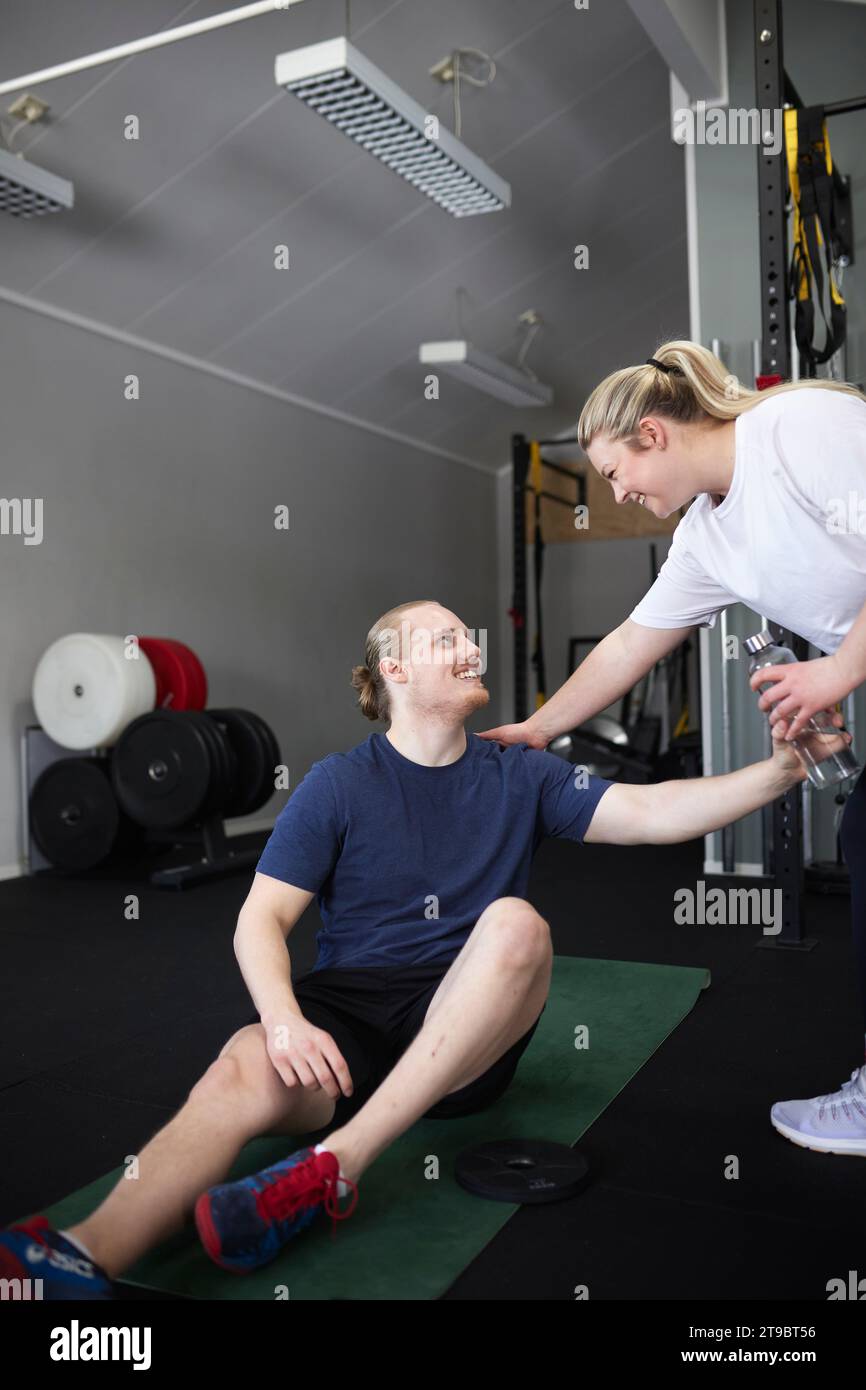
(414, 1229)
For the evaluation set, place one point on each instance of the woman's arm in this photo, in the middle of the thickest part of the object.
(612, 668)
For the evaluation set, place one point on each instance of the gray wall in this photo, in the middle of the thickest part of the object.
(824, 44)
(158, 519)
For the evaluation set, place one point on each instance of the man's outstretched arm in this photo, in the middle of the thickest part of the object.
(669, 812)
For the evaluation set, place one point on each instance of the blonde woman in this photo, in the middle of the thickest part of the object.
(773, 475)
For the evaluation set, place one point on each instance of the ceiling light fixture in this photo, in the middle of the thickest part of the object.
(338, 82)
(485, 372)
(26, 190)
(516, 385)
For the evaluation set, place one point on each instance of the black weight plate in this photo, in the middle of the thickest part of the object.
(216, 783)
(251, 757)
(272, 757)
(224, 765)
(161, 769)
(228, 764)
(526, 1171)
(74, 815)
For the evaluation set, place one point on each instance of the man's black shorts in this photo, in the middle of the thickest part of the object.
(373, 1013)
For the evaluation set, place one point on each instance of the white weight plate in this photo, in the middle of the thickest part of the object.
(86, 690)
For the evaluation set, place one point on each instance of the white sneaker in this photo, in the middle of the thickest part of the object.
(834, 1124)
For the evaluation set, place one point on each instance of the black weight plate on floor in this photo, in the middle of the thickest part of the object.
(74, 814)
(527, 1171)
(229, 761)
(228, 764)
(222, 764)
(216, 782)
(272, 757)
(251, 756)
(162, 769)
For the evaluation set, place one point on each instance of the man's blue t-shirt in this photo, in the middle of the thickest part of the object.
(404, 858)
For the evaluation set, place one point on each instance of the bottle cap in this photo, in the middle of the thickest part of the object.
(758, 642)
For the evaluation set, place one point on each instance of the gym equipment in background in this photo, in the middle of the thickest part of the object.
(181, 682)
(86, 690)
(778, 280)
(256, 754)
(88, 687)
(636, 745)
(526, 458)
(74, 815)
(528, 464)
(170, 767)
(171, 779)
(179, 773)
(601, 746)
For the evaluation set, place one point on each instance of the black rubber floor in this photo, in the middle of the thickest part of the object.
(107, 1023)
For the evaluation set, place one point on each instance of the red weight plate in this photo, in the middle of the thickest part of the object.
(195, 675)
(171, 671)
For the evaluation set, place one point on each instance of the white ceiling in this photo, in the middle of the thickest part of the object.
(172, 237)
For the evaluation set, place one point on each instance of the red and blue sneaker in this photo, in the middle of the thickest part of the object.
(46, 1265)
(244, 1224)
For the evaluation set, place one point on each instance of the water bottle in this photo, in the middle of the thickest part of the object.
(830, 770)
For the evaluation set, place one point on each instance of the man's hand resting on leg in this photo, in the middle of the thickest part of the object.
(305, 1055)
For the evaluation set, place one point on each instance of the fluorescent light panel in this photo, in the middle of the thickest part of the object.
(336, 80)
(479, 369)
(28, 191)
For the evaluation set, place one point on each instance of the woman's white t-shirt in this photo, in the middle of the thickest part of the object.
(789, 539)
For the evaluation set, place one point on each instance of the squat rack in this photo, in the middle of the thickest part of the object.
(521, 455)
(773, 90)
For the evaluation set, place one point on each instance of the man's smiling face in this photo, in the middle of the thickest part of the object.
(433, 666)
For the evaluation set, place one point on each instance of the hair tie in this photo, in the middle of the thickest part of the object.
(668, 371)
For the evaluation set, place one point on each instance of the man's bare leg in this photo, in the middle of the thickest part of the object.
(492, 994)
(239, 1097)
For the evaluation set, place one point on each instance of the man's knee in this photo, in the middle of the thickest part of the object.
(518, 930)
(241, 1066)
(224, 1077)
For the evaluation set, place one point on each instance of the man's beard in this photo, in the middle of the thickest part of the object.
(449, 711)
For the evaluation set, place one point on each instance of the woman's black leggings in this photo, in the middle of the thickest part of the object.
(852, 835)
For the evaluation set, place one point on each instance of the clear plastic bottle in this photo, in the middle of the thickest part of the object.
(831, 769)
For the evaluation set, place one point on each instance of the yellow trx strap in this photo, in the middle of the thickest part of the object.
(813, 183)
(535, 465)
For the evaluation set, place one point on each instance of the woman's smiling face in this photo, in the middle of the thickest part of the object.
(650, 476)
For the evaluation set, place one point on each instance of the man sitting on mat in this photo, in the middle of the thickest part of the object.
(432, 968)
